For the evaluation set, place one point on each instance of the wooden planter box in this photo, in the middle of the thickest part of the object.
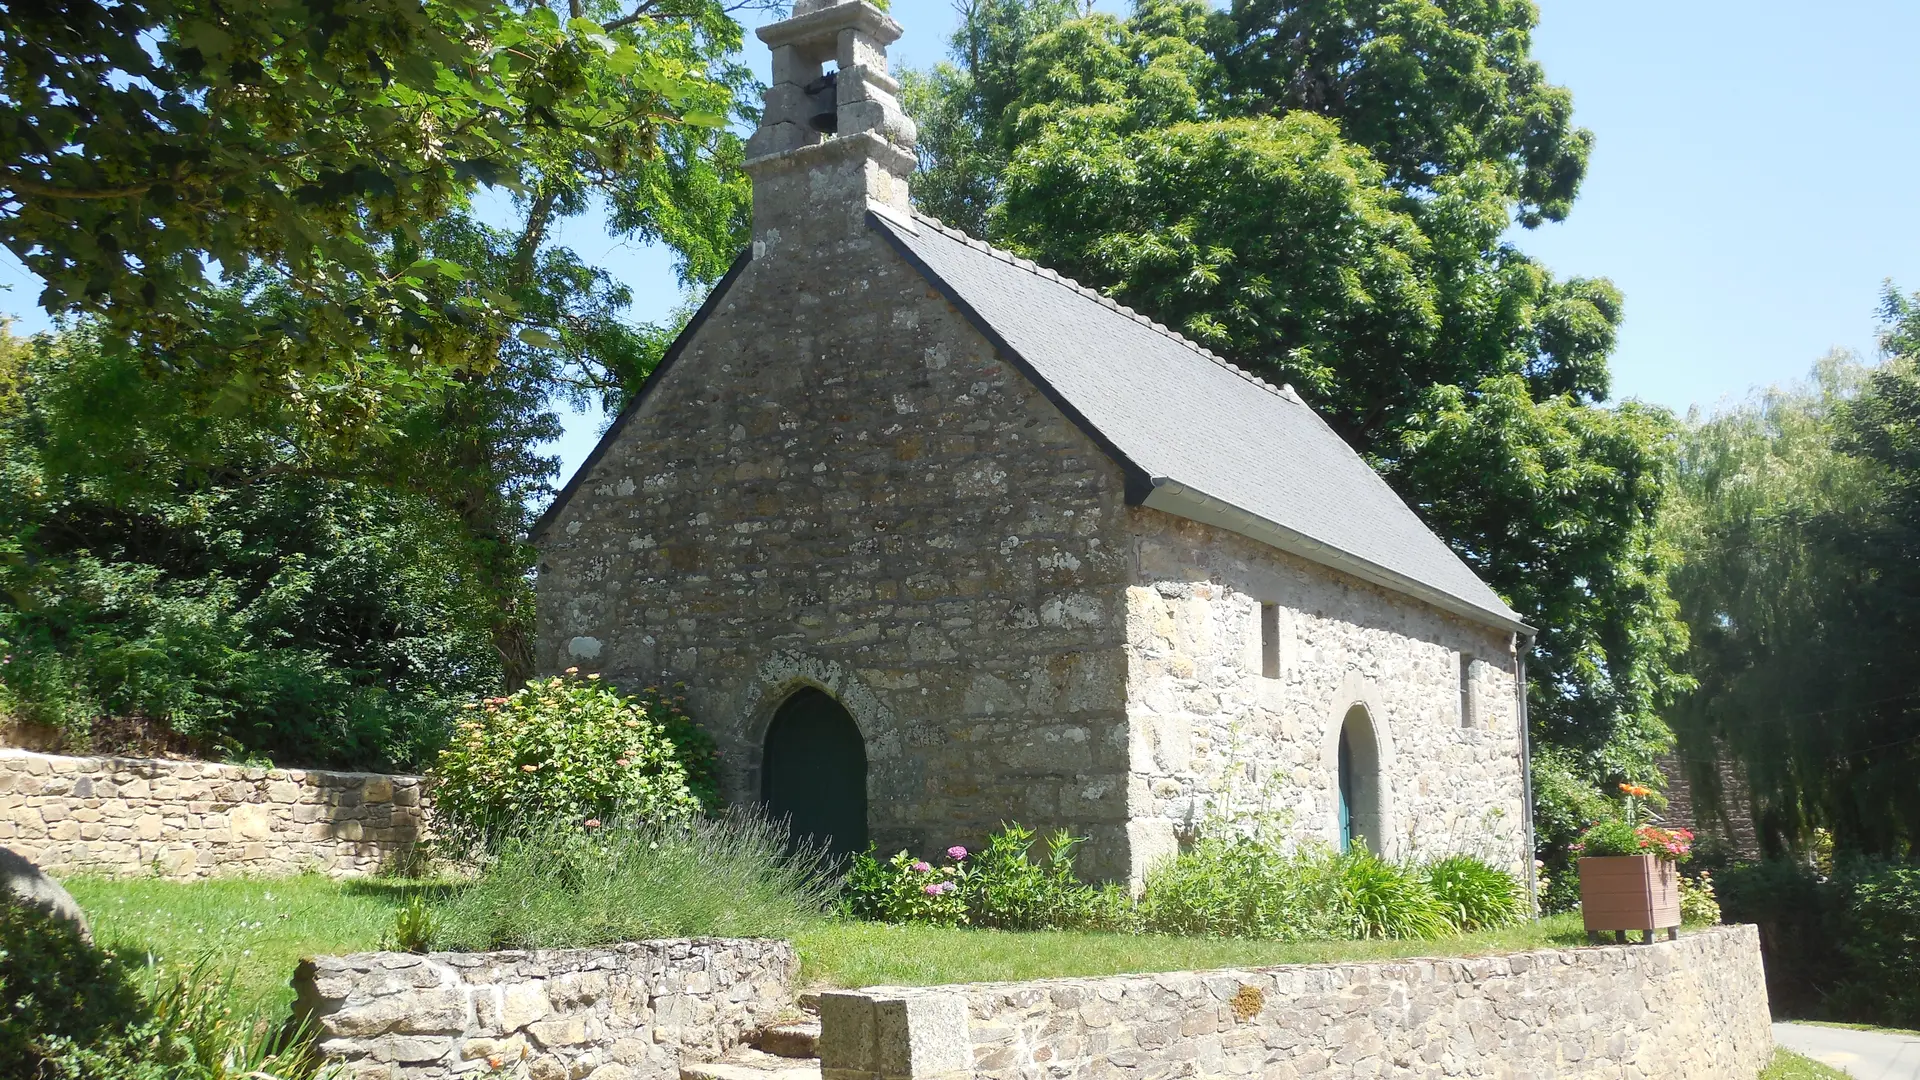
(1629, 892)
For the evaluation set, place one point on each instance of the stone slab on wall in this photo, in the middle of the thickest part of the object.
(1692, 1009)
(196, 819)
(626, 1012)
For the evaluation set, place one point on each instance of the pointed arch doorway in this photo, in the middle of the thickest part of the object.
(813, 772)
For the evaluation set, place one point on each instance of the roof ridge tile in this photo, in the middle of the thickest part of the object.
(1049, 274)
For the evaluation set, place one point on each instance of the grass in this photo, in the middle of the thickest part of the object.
(260, 929)
(1787, 1065)
(255, 929)
(560, 889)
(879, 954)
(1859, 1027)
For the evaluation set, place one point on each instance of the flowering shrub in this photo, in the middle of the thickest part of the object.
(566, 748)
(1228, 886)
(1005, 890)
(997, 887)
(693, 747)
(1698, 905)
(1621, 838)
(905, 889)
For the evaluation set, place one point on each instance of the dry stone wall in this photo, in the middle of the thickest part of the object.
(1692, 1009)
(194, 819)
(1214, 735)
(626, 1012)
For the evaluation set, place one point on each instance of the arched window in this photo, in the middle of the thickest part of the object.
(1359, 783)
(813, 774)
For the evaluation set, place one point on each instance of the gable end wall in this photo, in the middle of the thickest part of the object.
(840, 484)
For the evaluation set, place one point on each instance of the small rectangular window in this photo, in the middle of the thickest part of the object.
(1466, 691)
(1270, 640)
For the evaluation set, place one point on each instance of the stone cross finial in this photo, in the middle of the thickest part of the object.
(829, 141)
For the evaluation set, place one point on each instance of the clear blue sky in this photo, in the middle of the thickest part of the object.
(1756, 175)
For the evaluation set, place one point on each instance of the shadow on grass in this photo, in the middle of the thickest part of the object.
(398, 892)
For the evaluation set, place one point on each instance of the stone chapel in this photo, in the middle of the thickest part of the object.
(938, 539)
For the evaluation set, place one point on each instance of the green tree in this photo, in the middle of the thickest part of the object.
(254, 416)
(1798, 514)
(1320, 192)
(261, 609)
(158, 152)
(1432, 89)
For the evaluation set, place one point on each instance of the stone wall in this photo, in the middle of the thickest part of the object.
(194, 819)
(1708, 793)
(1692, 1009)
(839, 484)
(1213, 733)
(626, 1012)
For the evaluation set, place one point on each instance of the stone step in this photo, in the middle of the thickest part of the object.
(810, 1002)
(745, 1064)
(800, 1039)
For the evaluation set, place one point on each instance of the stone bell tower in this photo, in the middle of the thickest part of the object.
(832, 144)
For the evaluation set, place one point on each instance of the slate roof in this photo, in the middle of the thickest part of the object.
(1194, 435)
(1197, 436)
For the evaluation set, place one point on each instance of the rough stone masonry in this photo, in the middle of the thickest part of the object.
(194, 819)
(836, 480)
(625, 1012)
(1692, 1009)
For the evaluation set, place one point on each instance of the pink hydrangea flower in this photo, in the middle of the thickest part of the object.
(922, 868)
(956, 853)
(940, 888)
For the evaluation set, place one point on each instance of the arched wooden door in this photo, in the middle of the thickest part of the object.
(814, 772)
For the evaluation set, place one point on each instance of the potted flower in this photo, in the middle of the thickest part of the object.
(1628, 875)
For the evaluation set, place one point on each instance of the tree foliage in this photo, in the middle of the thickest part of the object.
(276, 473)
(1321, 192)
(1799, 517)
(301, 146)
(261, 610)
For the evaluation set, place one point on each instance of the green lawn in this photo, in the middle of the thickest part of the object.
(1787, 1065)
(260, 928)
(257, 929)
(877, 954)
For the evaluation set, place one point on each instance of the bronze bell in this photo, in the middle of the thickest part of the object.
(823, 107)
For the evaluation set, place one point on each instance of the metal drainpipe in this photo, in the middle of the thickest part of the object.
(1526, 771)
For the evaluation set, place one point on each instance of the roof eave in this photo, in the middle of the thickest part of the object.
(1172, 497)
(560, 499)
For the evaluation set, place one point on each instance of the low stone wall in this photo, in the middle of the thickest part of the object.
(194, 819)
(1692, 1009)
(626, 1012)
